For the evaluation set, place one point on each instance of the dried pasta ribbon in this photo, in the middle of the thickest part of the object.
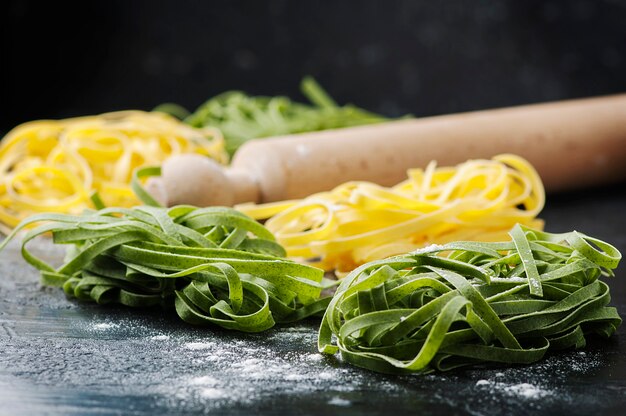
(242, 117)
(214, 266)
(54, 166)
(358, 222)
(463, 303)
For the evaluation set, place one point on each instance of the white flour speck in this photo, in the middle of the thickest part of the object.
(238, 370)
(160, 338)
(314, 358)
(212, 393)
(428, 249)
(103, 326)
(513, 279)
(338, 401)
(325, 375)
(527, 391)
(523, 390)
(204, 381)
(199, 345)
(295, 377)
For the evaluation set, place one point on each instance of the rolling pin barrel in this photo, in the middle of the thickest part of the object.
(572, 144)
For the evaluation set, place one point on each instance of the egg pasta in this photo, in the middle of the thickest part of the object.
(54, 165)
(358, 222)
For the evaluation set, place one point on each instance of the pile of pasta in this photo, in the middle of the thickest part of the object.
(358, 222)
(55, 166)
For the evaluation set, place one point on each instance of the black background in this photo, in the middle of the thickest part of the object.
(422, 57)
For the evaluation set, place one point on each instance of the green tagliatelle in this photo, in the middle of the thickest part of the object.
(241, 117)
(214, 265)
(447, 306)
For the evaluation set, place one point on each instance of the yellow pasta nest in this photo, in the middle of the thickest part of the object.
(358, 222)
(53, 166)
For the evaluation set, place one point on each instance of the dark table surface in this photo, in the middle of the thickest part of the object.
(64, 357)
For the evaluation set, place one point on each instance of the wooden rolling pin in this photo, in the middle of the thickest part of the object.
(572, 144)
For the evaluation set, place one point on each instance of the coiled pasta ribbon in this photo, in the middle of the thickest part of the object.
(506, 302)
(215, 266)
(54, 166)
(241, 117)
(358, 222)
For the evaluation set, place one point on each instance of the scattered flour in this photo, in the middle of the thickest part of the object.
(160, 337)
(325, 375)
(522, 390)
(295, 377)
(204, 381)
(338, 401)
(213, 393)
(234, 371)
(514, 279)
(314, 358)
(428, 249)
(103, 326)
(226, 370)
(527, 391)
(199, 345)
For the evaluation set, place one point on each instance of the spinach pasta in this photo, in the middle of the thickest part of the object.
(461, 303)
(215, 266)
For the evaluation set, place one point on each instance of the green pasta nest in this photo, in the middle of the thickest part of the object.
(241, 117)
(462, 303)
(214, 265)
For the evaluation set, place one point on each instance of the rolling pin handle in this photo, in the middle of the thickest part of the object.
(197, 180)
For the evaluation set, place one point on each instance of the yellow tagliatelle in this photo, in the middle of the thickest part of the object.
(358, 222)
(54, 166)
